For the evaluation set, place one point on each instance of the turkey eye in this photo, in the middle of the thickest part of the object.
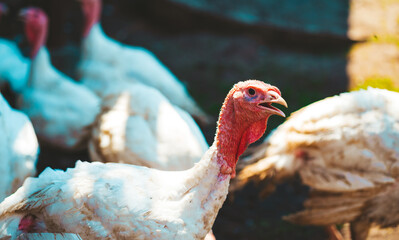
(251, 91)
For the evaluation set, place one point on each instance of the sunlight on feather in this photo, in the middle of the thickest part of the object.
(172, 127)
(20, 145)
(121, 110)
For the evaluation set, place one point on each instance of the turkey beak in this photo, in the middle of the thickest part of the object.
(273, 97)
(276, 98)
(280, 101)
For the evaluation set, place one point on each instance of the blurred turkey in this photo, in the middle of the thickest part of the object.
(102, 57)
(345, 148)
(139, 126)
(61, 110)
(18, 149)
(121, 201)
(14, 67)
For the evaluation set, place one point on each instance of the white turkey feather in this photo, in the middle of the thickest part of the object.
(18, 149)
(14, 67)
(139, 126)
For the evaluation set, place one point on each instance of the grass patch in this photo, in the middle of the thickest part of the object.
(377, 82)
(388, 38)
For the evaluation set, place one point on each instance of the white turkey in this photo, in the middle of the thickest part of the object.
(18, 149)
(61, 110)
(103, 58)
(120, 201)
(346, 149)
(14, 67)
(140, 126)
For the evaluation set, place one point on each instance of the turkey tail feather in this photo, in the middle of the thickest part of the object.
(326, 208)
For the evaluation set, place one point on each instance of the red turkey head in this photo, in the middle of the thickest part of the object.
(243, 119)
(257, 98)
(91, 12)
(35, 27)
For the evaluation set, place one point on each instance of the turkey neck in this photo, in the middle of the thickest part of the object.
(206, 184)
(36, 37)
(91, 12)
(204, 191)
(41, 69)
(236, 130)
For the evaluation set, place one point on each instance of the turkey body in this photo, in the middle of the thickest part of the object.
(139, 126)
(14, 67)
(345, 148)
(61, 110)
(18, 149)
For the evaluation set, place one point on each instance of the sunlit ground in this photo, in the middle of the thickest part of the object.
(374, 62)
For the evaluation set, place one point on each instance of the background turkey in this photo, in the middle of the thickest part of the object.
(345, 148)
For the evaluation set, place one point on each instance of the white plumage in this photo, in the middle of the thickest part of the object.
(14, 68)
(121, 201)
(18, 149)
(61, 110)
(102, 57)
(346, 148)
(139, 126)
(116, 201)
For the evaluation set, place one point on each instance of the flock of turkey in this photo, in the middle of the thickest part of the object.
(164, 181)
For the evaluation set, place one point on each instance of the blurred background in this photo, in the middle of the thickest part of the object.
(309, 49)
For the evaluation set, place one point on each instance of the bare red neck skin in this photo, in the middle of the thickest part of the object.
(27, 224)
(36, 35)
(91, 11)
(235, 132)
